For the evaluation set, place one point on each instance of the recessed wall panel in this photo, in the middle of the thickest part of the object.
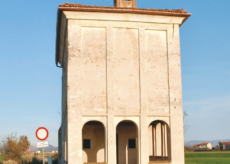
(93, 66)
(126, 70)
(156, 71)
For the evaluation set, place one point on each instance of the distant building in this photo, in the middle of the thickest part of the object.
(29, 151)
(224, 145)
(206, 145)
(51, 151)
(38, 151)
(197, 146)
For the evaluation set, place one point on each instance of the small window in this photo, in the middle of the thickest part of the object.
(132, 143)
(86, 144)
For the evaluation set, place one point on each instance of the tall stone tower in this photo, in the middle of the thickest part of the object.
(121, 84)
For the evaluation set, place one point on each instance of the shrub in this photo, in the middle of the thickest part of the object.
(13, 147)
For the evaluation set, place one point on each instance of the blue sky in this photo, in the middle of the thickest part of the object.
(30, 85)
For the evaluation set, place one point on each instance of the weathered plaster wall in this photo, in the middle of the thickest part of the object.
(123, 67)
(156, 71)
(93, 70)
(126, 71)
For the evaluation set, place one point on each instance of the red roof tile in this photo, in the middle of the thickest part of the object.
(205, 143)
(71, 5)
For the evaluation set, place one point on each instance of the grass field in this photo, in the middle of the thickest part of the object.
(207, 158)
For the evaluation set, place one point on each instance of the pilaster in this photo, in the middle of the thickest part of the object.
(73, 94)
(111, 135)
(176, 111)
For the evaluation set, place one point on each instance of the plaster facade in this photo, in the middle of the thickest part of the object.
(120, 69)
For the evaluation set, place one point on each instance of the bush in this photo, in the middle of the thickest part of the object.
(13, 147)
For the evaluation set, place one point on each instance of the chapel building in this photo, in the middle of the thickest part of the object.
(121, 84)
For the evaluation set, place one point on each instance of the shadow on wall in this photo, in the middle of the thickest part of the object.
(93, 139)
(126, 142)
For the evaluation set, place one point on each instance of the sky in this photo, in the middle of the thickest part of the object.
(30, 82)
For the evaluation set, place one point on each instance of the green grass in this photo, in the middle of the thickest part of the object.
(207, 158)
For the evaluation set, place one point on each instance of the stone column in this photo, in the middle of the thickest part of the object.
(165, 138)
(158, 139)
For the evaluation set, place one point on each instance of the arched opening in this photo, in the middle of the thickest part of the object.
(127, 143)
(159, 141)
(93, 142)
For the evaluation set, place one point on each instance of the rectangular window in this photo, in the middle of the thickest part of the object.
(132, 143)
(86, 144)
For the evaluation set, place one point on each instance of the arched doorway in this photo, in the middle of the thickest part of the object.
(127, 143)
(159, 141)
(93, 142)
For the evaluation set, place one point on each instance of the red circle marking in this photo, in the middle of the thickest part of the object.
(47, 133)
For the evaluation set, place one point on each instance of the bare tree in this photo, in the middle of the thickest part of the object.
(13, 147)
(186, 125)
(189, 148)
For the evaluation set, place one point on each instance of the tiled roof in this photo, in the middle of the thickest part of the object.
(71, 5)
(204, 143)
(225, 143)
